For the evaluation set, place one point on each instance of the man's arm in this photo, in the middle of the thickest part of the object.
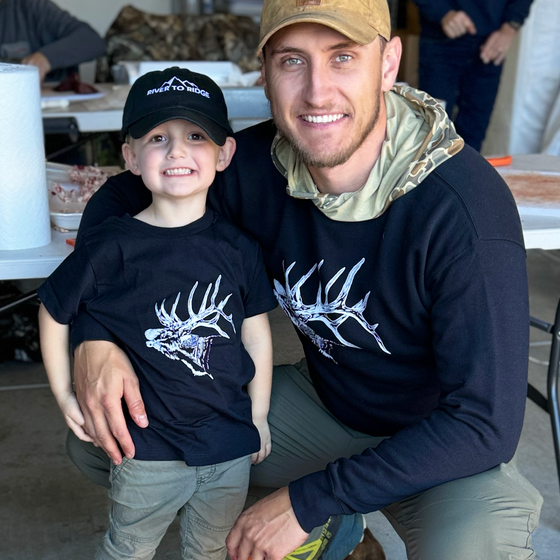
(479, 321)
(66, 40)
(517, 11)
(103, 374)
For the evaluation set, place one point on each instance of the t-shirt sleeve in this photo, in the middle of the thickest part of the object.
(258, 297)
(70, 285)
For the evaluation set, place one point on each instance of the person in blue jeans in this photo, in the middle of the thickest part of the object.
(463, 44)
(185, 293)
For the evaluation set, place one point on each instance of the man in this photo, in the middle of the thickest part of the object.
(397, 253)
(462, 49)
(39, 33)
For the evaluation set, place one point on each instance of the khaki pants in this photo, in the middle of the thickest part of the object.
(147, 495)
(488, 516)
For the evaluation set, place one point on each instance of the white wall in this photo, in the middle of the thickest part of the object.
(101, 13)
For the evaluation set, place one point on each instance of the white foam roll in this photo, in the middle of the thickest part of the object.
(24, 209)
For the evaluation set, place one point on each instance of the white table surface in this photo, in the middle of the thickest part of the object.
(246, 105)
(541, 229)
(541, 226)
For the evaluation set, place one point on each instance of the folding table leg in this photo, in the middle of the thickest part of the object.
(18, 301)
(552, 383)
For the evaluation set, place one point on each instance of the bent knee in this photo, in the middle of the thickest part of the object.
(490, 515)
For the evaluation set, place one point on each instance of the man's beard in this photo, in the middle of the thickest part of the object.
(310, 159)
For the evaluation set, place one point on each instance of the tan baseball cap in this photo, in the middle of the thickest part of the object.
(359, 20)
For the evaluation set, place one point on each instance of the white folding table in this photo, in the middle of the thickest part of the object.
(541, 228)
(246, 105)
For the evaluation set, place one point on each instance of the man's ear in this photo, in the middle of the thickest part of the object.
(391, 58)
(130, 158)
(226, 153)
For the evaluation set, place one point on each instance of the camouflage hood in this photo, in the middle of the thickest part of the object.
(419, 137)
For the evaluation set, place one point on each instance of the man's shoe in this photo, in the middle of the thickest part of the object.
(369, 549)
(338, 539)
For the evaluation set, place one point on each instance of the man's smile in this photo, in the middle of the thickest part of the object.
(322, 118)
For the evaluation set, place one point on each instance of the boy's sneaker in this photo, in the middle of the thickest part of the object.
(338, 539)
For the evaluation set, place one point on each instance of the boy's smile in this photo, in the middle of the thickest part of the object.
(178, 162)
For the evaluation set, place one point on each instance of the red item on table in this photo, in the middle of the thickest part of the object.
(73, 83)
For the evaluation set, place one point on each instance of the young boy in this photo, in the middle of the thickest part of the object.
(186, 295)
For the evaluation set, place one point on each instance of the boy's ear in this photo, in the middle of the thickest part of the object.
(226, 153)
(130, 158)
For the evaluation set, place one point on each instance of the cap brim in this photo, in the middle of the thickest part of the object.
(141, 127)
(359, 32)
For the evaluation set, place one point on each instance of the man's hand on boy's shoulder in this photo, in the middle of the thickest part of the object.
(99, 393)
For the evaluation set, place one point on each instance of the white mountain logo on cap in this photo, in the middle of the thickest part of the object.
(175, 84)
(184, 83)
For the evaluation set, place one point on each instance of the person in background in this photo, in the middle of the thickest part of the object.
(38, 32)
(463, 44)
(397, 252)
(186, 294)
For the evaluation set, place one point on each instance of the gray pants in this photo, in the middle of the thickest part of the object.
(488, 516)
(147, 495)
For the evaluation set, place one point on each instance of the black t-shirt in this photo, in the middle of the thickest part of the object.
(175, 298)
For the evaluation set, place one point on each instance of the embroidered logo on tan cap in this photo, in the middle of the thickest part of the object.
(308, 3)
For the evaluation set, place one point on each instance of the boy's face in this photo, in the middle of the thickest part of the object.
(177, 159)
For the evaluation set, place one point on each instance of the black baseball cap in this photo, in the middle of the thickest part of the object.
(176, 93)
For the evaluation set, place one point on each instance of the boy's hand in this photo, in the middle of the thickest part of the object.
(73, 415)
(266, 446)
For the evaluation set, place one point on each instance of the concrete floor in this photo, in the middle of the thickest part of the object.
(49, 511)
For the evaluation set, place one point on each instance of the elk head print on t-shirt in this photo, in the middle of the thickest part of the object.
(177, 341)
(332, 313)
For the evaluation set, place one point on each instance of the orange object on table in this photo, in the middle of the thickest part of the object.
(499, 161)
(71, 241)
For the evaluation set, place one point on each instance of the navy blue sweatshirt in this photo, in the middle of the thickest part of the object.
(433, 349)
(487, 15)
